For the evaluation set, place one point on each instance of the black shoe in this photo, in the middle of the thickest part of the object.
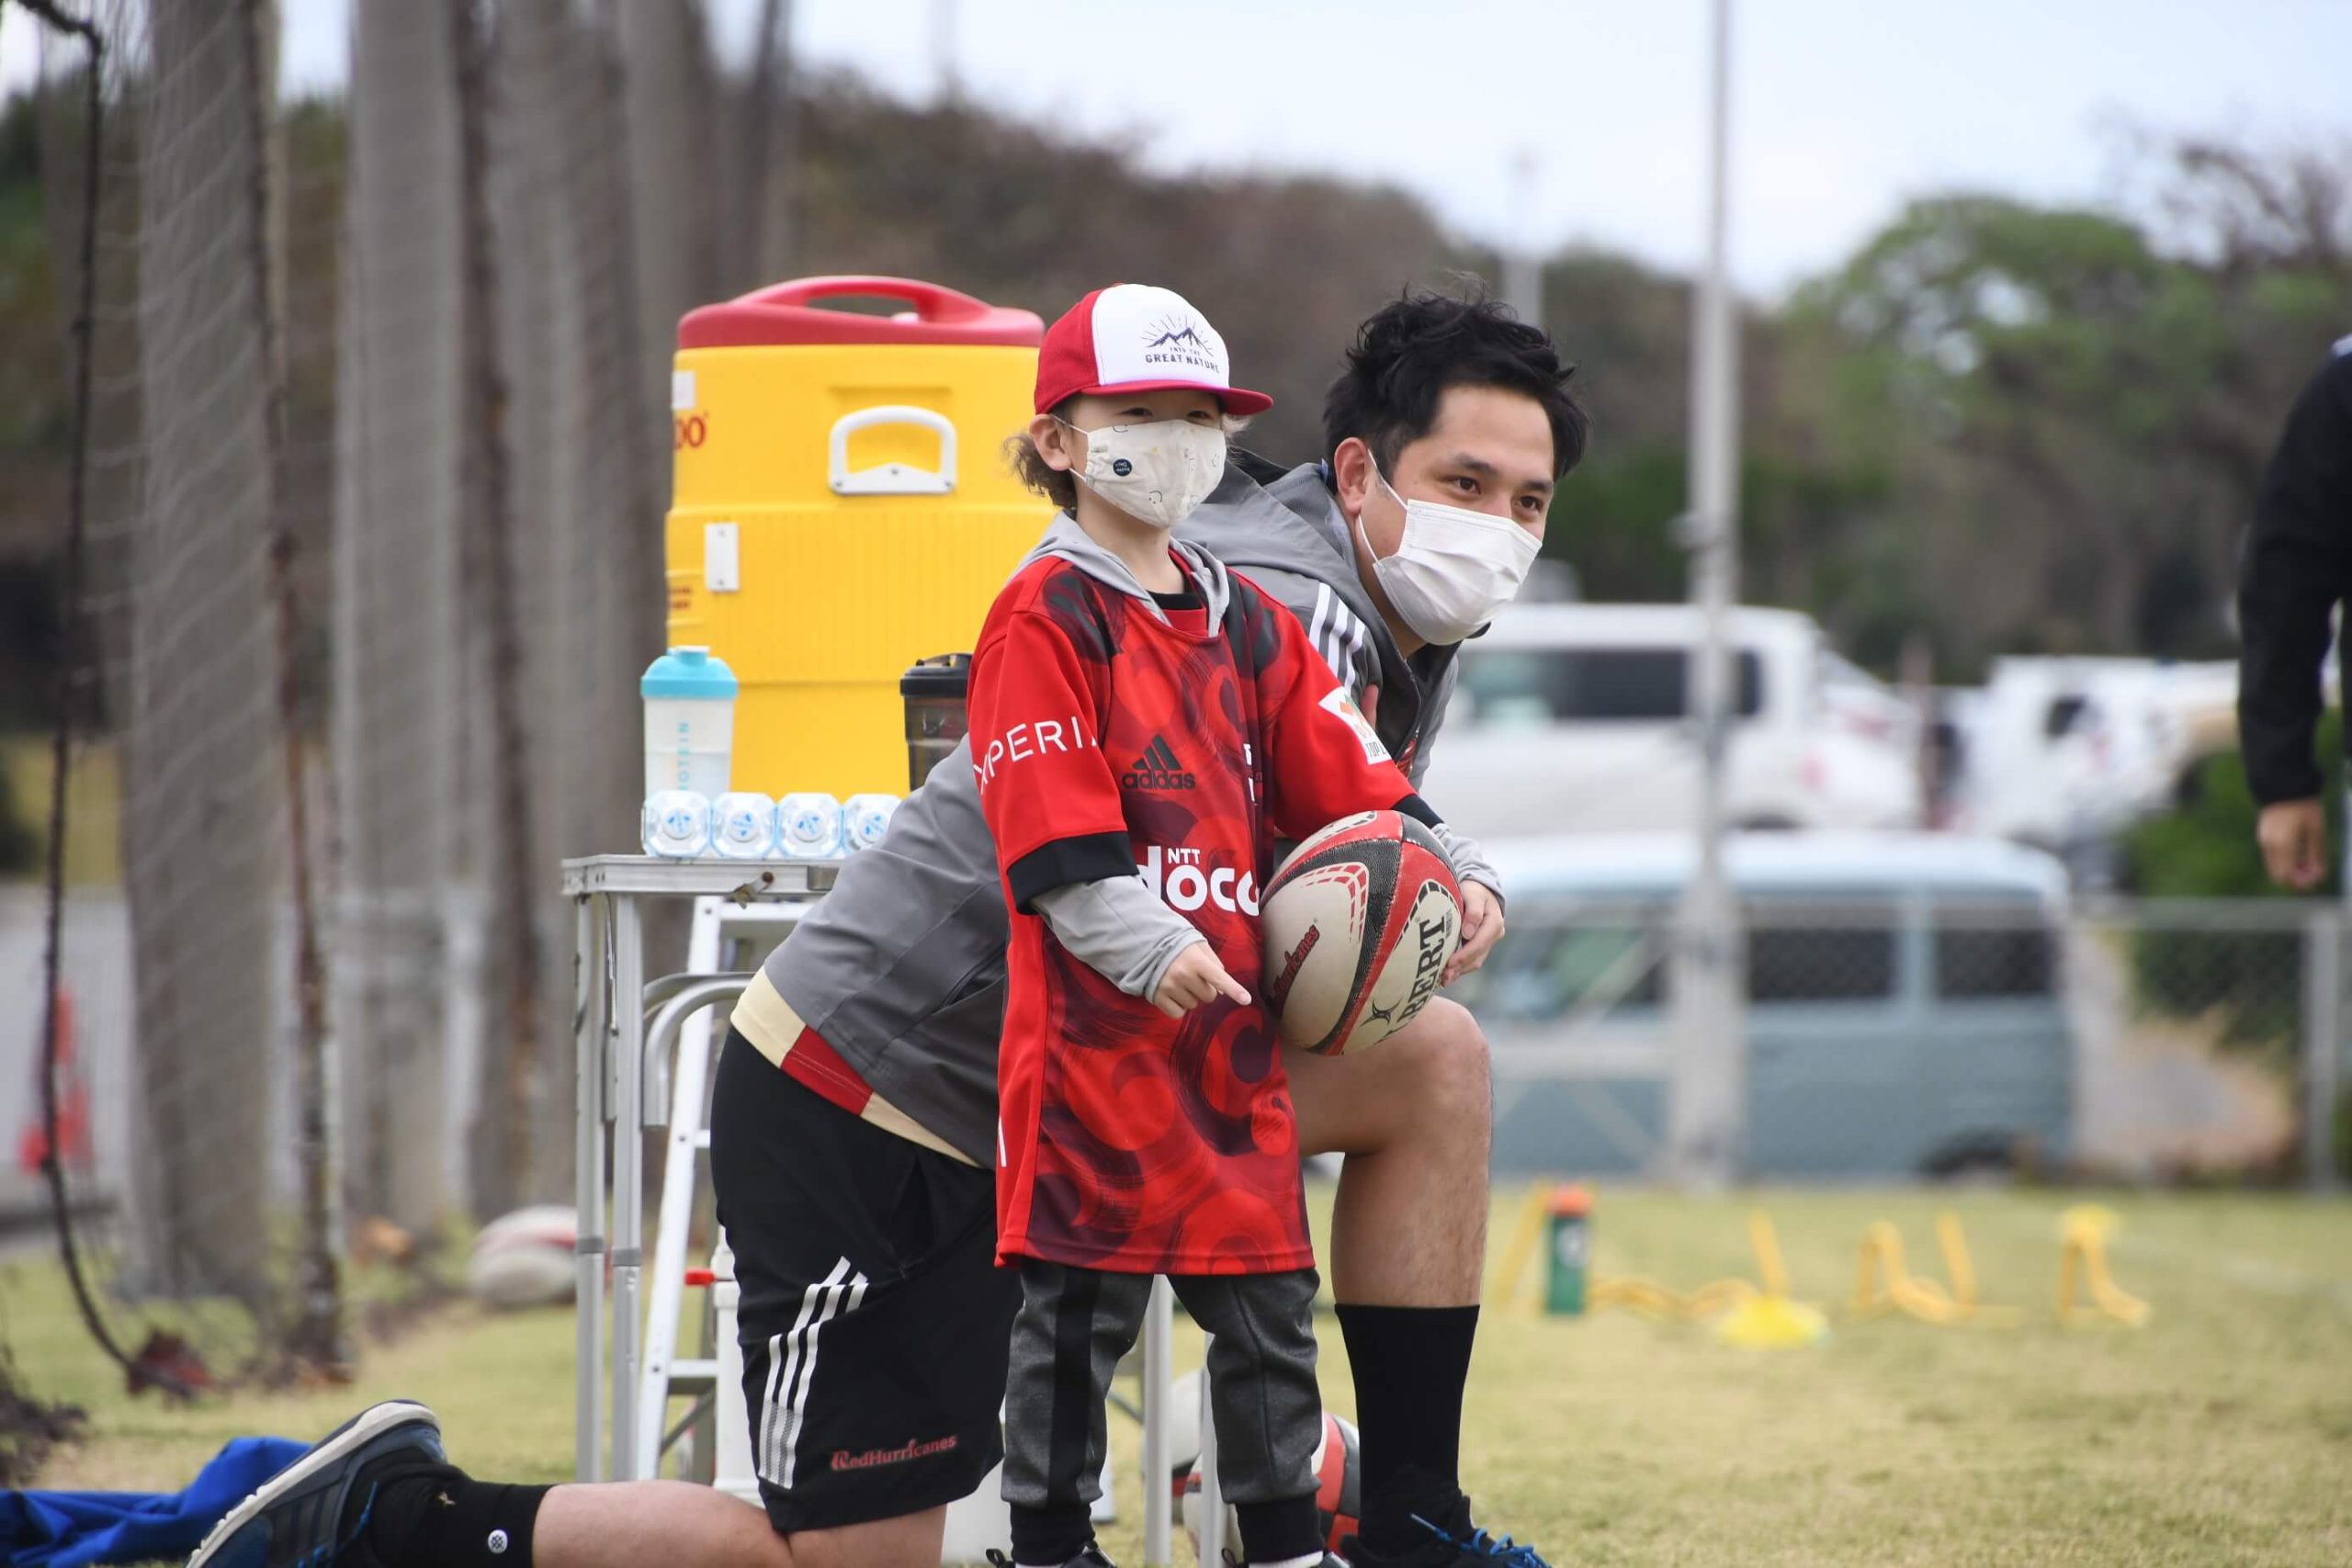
(296, 1520)
(1091, 1558)
(1449, 1540)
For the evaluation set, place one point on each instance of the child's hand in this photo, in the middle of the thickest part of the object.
(1195, 977)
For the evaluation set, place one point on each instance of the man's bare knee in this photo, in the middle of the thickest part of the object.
(1410, 1225)
(1452, 1079)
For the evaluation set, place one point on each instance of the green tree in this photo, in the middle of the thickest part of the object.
(2086, 397)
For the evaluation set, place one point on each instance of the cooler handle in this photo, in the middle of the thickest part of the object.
(932, 301)
(892, 478)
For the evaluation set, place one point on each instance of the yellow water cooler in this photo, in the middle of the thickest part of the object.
(842, 509)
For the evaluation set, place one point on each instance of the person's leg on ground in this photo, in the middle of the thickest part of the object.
(1268, 1411)
(1073, 1326)
(1413, 1120)
(854, 1248)
(378, 1493)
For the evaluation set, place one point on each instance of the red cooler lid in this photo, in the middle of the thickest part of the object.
(786, 313)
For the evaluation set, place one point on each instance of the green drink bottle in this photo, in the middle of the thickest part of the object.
(1569, 1235)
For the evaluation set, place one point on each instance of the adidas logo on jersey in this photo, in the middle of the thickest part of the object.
(1158, 769)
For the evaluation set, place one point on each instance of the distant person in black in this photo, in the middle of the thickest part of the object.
(2298, 569)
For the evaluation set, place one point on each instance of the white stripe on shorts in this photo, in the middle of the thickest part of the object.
(784, 1367)
(842, 1291)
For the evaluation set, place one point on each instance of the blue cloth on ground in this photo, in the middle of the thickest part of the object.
(65, 1529)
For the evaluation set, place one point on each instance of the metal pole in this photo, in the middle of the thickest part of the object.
(1158, 1328)
(943, 52)
(673, 1030)
(1705, 1134)
(1523, 265)
(2322, 1042)
(1212, 1527)
(588, 1189)
(628, 1178)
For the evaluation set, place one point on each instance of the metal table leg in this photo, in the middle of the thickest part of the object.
(1158, 1328)
(588, 1016)
(1212, 1484)
(628, 1178)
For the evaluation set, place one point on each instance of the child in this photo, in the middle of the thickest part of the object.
(1145, 726)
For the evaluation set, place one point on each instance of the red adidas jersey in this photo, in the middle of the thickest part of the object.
(1109, 742)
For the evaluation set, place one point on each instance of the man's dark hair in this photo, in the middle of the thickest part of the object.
(1413, 349)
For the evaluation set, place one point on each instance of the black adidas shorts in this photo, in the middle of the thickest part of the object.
(874, 1320)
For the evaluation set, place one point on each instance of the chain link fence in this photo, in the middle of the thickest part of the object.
(1926, 1035)
(370, 533)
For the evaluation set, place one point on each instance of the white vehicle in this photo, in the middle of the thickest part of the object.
(1573, 718)
(2066, 753)
(1905, 1008)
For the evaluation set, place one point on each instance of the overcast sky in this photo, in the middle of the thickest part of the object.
(1841, 107)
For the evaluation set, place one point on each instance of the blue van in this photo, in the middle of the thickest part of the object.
(1904, 1003)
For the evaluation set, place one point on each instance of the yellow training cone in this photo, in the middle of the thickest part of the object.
(1772, 1323)
(2082, 1258)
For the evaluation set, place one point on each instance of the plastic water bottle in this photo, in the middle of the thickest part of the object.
(866, 818)
(743, 826)
(1568, 1236)
(689, 723)
(677, 824)
(809, 827)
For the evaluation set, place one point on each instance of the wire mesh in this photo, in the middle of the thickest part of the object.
(390, 359)
(181, 641)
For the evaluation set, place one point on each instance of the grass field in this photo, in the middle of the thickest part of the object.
(2221, 1433)
(93, 806)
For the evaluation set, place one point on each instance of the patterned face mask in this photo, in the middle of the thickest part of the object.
(1157, 473)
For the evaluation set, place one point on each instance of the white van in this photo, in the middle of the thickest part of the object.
(1904, 1007)
(1573, 718)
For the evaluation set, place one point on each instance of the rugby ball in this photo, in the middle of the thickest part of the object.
(1359, 923)
(1338, 1481)
(525, 1258)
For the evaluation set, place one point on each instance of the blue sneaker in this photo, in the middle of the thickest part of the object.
(1450, 1541)
(297, 1520)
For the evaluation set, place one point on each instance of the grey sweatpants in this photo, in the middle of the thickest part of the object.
(1074, 1326)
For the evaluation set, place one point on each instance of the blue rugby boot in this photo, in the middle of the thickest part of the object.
(310, 1514)
(1446, 1541)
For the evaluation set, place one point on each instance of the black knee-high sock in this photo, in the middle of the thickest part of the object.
(416, 1514)
(1411, 1365)
(1278, 1531)
(1055, 1535)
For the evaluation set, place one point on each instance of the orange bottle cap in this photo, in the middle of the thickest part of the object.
(1574, 1200)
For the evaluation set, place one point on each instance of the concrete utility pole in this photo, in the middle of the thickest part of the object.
(1522, 262)
(949, 80)
(1706, 1124)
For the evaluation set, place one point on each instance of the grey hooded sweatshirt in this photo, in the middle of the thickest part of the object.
(901, 969)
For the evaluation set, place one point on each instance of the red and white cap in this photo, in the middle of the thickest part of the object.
(1131, 337)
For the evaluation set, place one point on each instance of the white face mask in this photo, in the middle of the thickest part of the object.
(1453, 567)
(1157, 473)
